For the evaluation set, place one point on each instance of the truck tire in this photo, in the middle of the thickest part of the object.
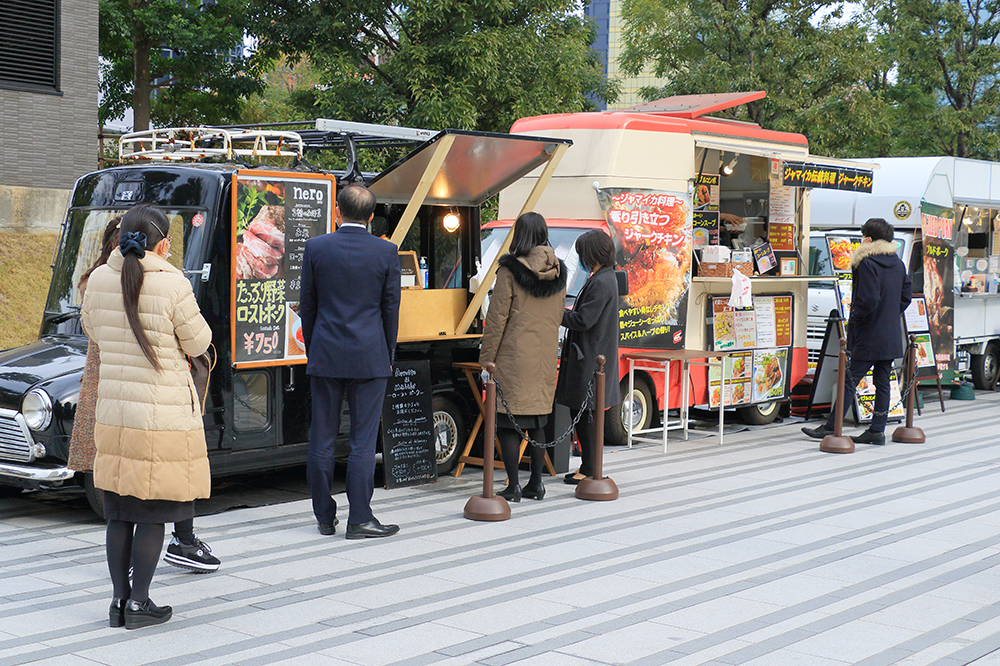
(759, 414)
(95, 496)
(985, 367)
(449, 434)
(642, 407)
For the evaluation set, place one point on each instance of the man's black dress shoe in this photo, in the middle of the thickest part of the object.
(819, 432)
(145, 614)
(370, 530)
(116, 613)
(326, 529)
(533, 492)
(572, 480)
(511, 493)
(869, 437)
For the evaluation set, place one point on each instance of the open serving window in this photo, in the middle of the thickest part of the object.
(440, 185)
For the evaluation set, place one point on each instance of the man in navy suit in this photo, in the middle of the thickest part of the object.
(350, 316)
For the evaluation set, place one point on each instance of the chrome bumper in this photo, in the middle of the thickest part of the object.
(35, 474)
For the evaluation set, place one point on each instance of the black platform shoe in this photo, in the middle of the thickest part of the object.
(535, 492)
(511, 493)
(116, 613)
(145, 614)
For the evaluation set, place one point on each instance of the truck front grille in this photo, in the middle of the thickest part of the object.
(15, 437)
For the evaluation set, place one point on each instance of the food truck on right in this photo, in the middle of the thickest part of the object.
(945, 212)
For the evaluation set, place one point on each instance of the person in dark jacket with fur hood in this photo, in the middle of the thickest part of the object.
(880, 294)
(522, 337)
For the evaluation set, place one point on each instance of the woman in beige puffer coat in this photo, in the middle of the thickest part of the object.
(152, 461)
(521, 336)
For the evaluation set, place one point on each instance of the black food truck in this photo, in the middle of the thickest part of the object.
(239, 230)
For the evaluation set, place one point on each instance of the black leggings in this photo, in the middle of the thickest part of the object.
(135, 545)
(510, 446)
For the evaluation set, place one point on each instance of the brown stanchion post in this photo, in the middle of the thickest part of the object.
(488, 506)
(908, 433)
(837, 443)
(597, 487)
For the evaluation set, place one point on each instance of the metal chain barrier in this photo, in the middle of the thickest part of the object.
(558, 440)
(902, 393)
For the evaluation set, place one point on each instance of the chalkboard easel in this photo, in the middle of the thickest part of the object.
(408, 452)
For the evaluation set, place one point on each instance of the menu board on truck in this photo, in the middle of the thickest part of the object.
(652, 232)
(274, 215)
(761, 337)
(705, 220)
(937, 224)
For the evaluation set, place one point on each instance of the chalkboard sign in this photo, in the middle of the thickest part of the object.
(408, 426)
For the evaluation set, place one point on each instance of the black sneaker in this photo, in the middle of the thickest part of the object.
(145, 614)
(196, 557)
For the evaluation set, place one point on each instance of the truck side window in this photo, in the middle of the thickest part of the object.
(917, 267)
(250, 403)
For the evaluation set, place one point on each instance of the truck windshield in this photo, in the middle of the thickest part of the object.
(562, 240)
(81, 246)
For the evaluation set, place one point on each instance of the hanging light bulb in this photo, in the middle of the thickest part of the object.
(451, 221)
(728, 169)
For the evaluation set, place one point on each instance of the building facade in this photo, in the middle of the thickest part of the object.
(48, 107)
(606, 15)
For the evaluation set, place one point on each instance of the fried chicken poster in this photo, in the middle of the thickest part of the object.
(273, 216)
(653, 243)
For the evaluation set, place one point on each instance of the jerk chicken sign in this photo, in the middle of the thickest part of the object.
(653, 243)
(275, 214)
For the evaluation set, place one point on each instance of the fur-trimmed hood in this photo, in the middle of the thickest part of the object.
(539, 272)
(874, 248)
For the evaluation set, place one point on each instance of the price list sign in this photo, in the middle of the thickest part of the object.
(274, 214)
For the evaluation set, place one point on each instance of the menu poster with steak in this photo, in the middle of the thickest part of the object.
(652, 231)
(274, 214)
(937, 224)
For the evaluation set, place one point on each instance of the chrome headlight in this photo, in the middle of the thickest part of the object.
(37, 409)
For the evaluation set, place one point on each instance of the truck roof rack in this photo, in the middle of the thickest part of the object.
(181, 144)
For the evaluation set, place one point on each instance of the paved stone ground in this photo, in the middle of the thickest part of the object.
(763, 551)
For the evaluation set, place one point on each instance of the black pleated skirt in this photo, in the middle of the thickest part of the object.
(134, 510)
(524, 422)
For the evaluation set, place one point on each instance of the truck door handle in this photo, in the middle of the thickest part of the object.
(205, 272)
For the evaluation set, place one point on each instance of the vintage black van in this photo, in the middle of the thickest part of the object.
(258, 418)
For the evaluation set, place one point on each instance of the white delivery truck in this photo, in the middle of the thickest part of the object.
(945, 212)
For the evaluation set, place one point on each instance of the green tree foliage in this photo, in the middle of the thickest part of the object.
(468, 64)
(822, 74)
(202, 80)
(948, 62)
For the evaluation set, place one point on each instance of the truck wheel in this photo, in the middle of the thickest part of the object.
(760, 414)
(640, 408)
(985, 367)
(95, 496)
(449, 434)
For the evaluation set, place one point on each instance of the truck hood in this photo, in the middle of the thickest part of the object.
(42, 360)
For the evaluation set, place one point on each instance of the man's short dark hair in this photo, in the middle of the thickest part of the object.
(877, 229)
(595, 247)
(356, 203)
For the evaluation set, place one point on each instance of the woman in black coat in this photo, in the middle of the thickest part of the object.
(592, 325)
